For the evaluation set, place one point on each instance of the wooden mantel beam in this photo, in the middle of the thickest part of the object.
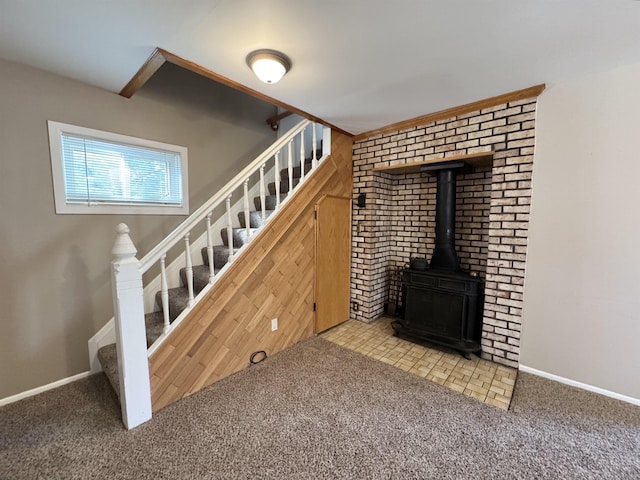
(481, 159)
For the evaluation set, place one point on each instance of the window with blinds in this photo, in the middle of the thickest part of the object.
(102, 172)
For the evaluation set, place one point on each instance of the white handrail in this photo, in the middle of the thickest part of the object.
(178, 233)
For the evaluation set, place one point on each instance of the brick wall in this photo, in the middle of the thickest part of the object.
(492, 214)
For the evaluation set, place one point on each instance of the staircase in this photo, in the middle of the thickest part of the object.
(172, 304)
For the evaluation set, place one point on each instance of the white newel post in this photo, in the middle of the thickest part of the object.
(326, 141)
(131, 343)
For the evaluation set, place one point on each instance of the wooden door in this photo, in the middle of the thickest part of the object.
(333, 261)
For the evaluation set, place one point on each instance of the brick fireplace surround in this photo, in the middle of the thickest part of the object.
(492, 214)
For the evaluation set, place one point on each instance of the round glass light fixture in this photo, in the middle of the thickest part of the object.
(268, 65)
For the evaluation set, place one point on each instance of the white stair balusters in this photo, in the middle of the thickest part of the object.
(314, 161)
(189, 268)
(229, 228)
(212, 271)
(164, 294)
(277, 178)
(247, 219)
(263, 193)
(290, 165)
(302, 156)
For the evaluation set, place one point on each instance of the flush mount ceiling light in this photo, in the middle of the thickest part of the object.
(268, 65)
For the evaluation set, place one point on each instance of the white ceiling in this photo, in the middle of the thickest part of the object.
(358, 64)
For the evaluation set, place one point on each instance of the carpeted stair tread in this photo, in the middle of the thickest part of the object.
(178, 301)
(284, 186)
(200, 277)
(239, 236)
(269, 201)
(154, 324)
(108, 357)
(284, 173)
(220, 255)
(255, 218)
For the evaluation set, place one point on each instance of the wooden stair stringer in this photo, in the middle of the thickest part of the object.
(274, 278)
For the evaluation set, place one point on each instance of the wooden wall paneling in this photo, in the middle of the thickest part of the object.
(275, 278)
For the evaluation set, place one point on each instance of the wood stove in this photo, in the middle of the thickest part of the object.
(443, 304)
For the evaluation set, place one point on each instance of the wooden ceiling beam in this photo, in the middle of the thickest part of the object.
(160, 56)
(146, 71)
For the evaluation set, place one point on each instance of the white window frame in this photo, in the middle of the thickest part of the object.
(56, 129)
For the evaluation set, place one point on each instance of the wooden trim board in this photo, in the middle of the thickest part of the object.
(455, 111)
(160, 56)
(146, 71)
(482, 159)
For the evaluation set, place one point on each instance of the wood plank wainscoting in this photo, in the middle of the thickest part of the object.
(273, 279)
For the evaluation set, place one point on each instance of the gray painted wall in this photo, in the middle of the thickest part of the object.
(54, 269)
(581, 317)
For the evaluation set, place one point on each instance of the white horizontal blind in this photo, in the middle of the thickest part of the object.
(100, 171)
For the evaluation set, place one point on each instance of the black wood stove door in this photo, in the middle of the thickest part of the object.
(442, 307)
(435, 312)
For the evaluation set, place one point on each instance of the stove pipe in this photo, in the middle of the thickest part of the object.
(444, 255)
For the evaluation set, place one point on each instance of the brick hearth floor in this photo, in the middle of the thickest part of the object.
(481, 379)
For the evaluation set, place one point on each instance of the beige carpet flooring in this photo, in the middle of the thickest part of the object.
(319, 411)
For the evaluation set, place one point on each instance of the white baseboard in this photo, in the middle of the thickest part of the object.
(583, 386)
(43, 388)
